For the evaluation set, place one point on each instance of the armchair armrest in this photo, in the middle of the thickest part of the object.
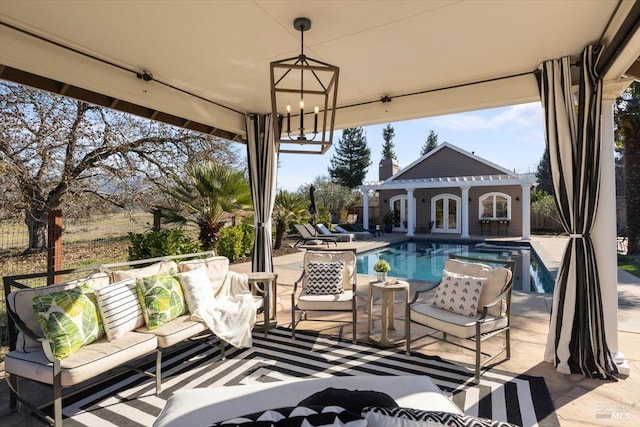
(299, 280)
(420, 291)
(498, 299)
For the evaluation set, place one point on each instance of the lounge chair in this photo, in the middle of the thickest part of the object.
(342, 237)
(307, 237)
(355, 229)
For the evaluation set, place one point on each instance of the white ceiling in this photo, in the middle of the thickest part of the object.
(221, 50)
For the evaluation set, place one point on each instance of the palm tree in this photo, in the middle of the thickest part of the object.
(203, 197)
(288, 209)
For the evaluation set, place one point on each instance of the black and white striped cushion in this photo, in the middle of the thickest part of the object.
(325, 277)
(298, 416)
(407, 417)
(120, 308)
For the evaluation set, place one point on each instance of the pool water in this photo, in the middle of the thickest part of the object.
(424, 260)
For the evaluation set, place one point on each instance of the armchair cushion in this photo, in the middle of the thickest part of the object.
(325, 277)
(455, 324)
(497, 279)
(458, 293)
(69, 319)
(341, 301)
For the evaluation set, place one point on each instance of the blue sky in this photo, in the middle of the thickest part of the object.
(512, 137)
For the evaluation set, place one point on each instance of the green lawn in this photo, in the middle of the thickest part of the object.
(630, 264)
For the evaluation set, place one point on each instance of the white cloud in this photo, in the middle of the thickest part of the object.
(515, 117)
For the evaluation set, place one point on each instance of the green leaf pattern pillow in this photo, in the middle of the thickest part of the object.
(69, 319)
(161, 299)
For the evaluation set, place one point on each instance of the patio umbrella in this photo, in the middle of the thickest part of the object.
(576, 341)
(263, 161)
(312, 204)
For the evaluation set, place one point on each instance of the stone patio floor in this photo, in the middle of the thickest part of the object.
(578, 401)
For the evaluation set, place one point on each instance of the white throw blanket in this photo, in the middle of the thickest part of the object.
(232, 315)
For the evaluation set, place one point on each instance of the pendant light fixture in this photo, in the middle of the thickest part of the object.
(304, 92)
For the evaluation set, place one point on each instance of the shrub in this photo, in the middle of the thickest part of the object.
(157, 243)
(230, 243)
(248, 238)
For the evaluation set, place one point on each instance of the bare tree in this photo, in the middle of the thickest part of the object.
(54, 150)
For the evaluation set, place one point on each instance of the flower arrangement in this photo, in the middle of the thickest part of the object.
(381, 266)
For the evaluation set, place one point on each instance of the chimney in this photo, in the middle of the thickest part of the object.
(387, 168)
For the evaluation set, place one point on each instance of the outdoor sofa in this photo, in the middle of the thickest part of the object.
(31, 354)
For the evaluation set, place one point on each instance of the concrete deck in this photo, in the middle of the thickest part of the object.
(578, 401)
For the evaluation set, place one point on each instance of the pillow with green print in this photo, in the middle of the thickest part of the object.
(161, 298)
(69, 319)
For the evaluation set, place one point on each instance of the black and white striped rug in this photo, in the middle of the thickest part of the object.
(130, 400)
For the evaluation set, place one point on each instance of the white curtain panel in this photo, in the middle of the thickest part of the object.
(576, 341)
(262, 156)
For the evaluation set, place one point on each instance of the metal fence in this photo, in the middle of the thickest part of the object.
(85, 241)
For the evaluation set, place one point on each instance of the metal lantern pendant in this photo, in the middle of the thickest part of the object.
(304, 92)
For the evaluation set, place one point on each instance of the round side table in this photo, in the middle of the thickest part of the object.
(387, 336)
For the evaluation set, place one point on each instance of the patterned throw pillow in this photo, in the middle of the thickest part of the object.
(69, 319)
(351, 400)
(299, 416)
(325, 278)
(407, 417)
(458, 293)
(161, 298)
(120, 308)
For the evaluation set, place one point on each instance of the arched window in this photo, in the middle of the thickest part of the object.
(495, 206)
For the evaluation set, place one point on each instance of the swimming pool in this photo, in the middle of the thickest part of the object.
(424, 260)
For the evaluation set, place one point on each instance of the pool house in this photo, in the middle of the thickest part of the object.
(451, 191)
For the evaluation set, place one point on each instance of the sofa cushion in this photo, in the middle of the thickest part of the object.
(197, 290)
(217, 268)
(458, 293)
(120, 308)
(69, 319)
(408, 417)
(175, 331)
(497, 278)
(325, 277)
(296, 416)
(138, 273)
(21, 302)
(86, 363)
(161, 299)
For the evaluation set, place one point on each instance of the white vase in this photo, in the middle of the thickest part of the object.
(382, 276)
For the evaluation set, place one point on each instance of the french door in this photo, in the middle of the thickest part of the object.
(445, 211)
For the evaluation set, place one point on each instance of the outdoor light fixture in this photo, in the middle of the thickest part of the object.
(304, 92)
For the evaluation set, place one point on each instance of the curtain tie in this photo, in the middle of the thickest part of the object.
(578, 236)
